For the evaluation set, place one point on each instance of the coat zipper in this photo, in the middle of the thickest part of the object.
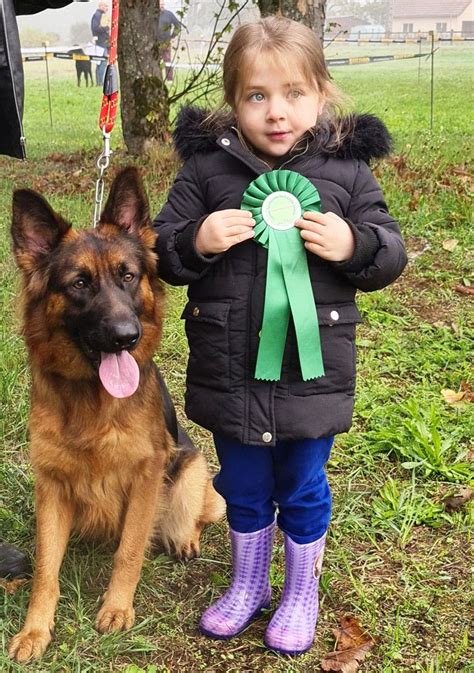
(246, 426)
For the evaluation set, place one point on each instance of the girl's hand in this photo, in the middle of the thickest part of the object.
(327, 235)
(223, 229)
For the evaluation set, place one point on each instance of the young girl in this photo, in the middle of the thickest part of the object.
(273, 438)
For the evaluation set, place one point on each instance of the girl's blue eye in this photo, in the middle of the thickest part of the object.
(295, 94)
(257, 97)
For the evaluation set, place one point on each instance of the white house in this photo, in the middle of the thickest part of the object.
(442, 16)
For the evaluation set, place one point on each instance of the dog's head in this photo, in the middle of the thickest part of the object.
(93, 301)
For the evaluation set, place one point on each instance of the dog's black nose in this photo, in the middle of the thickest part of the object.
(125, 335)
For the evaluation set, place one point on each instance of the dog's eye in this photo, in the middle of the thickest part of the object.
(79, 284)
(128, 277)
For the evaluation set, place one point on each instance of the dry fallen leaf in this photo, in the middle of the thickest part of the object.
(455, 503)
(450, 243)
(458, 398)
(468, 393)
(454, 398)
(468, 290)
(352, 646)
(11, 586)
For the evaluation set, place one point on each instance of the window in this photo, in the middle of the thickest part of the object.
(408, 28)
(468, 28)
(442, 27)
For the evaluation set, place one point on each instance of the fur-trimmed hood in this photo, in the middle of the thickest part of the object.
(364, 136)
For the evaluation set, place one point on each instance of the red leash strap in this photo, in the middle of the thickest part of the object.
(108, 111)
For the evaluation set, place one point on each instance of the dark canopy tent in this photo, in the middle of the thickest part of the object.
(11, 72)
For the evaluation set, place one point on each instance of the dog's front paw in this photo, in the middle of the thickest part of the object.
(111, 619)
(187, 551)
(190, 548)
(29, 644)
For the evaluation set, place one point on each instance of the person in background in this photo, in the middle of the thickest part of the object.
(13, 562)
(168, 28)
(100, 28)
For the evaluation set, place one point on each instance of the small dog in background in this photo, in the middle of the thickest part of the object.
(83, 67)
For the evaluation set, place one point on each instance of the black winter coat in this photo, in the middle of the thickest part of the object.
(226, 291)
(11, 72)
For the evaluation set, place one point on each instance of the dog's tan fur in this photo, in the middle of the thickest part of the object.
(105, 467)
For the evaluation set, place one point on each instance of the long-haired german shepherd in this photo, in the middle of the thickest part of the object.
(108, 454)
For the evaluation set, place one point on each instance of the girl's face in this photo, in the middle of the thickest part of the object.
(275, 107)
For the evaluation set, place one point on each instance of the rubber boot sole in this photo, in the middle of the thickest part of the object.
(228, 636)
(288, 653)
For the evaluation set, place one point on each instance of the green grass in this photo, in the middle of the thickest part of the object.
(396, 558)
(401, 91)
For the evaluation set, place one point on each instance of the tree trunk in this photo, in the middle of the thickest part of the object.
(310, 12)
(144, 97)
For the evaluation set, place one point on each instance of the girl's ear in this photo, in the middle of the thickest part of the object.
(322, 102)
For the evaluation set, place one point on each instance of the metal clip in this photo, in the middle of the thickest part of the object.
(102, 164)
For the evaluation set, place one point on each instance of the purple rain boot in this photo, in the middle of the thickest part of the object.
(250, 590)
(291, 629)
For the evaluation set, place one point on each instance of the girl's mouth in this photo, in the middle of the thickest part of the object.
(277, 135)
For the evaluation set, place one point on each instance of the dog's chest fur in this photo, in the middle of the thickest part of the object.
(96, 461)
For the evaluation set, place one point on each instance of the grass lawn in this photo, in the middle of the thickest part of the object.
(397, 558)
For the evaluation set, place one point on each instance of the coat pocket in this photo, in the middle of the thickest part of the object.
(207, 330)
(337, 324)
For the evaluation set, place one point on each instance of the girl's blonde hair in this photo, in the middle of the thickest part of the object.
(286, 40)
(290, 43)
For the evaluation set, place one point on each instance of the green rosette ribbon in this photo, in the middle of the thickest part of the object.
(276, 200)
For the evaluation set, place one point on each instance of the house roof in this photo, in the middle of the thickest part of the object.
(428, 8)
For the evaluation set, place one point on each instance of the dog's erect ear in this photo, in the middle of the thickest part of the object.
(36, 228)
(127, 205)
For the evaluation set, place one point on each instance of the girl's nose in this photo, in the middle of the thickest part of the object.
(275, 110)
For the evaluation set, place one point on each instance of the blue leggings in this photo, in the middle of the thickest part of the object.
(253, 480)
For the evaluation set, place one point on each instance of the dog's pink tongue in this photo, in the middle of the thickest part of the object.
(119, 373)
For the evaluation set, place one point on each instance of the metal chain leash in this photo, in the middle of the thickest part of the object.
(102, 165)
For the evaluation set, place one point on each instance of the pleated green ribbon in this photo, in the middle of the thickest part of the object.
(276, 200)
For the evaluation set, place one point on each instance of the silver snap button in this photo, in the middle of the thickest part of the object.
(225, 141)
(334, 315)
(267, 437)
(196, 311)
